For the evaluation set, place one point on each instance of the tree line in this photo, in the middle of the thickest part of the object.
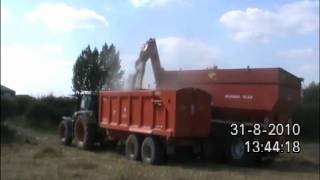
(307, 113)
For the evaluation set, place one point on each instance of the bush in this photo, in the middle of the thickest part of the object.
(8, 107)
(38, 111)
(8, 134)
(22, 103)
(50, 109)
(308, 118)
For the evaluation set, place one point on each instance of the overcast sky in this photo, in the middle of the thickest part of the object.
(40, 40)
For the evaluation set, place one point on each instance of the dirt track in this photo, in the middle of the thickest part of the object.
(42, 157)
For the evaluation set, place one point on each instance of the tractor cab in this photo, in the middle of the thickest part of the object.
(88, 102)
(87, 105)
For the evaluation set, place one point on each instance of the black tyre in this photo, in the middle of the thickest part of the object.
(267, 158)
(84, 132)
(237, 153)
(65, 132)
(151, 151)
(132, 147)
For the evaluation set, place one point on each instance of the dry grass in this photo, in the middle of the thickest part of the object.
(47, 159)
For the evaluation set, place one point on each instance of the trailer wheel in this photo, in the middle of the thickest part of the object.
(151, 151)
(65, 132)
(237, 154)
(267, 158)
(132, 147)
(84, 132)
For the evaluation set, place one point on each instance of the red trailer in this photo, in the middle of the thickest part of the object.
(250, 95)
(182, 113)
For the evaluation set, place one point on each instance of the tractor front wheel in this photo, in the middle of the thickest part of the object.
(65, 132)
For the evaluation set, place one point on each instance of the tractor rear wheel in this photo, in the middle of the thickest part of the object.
(84, 132)
(65, 132)
(132, 148)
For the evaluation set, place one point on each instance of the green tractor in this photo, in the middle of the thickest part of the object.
(82, 125)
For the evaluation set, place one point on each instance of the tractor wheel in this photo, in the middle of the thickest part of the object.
(84, 132)
(65, 132)
(132, 148)
(151, 151)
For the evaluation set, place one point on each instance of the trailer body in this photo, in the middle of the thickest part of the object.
(182, 113)
(242, 94)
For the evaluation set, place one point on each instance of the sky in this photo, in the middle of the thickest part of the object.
(40, 40)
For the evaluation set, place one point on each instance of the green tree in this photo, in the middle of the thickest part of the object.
(311, 94)
(93, 71)
(110, 67)
(307, 114)
(86, 73)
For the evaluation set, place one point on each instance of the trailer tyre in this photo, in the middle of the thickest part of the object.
(151, 151)
(132, 147)
(267, 158)
(65, 132)
(84, 132)
(237, 154)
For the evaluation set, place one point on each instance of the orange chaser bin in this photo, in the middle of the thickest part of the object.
(183, 113)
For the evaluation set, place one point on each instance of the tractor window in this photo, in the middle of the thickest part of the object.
(86, 102)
